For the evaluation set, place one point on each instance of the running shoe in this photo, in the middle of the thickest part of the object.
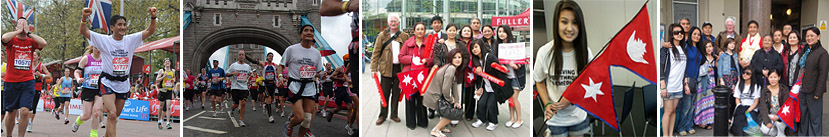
(477, 124)
(159, 125)
(288, 130)
(308, 133)
(29, 129)
(75, 127)
(65, 121)
(241, 123)
(491, 126)
(270, 119)
(349, 129)
(168, 126)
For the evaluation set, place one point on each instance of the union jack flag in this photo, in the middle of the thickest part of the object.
(100, 13)
(17, 10)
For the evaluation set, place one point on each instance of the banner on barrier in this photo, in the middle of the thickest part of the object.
(136, 110)
(75, 107)
(154, 105)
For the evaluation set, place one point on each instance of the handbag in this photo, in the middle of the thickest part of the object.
(448, 110)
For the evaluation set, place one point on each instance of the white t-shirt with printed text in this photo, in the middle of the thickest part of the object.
(543, 72)
(117, 57)
(303, 63)
(240, 80)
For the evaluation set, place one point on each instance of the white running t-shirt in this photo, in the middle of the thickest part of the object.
(240, 80)
(303, 63)
(117, 57)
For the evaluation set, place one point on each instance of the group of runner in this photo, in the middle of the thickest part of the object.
(297, 80)
(102, 73)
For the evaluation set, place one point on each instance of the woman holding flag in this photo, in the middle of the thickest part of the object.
(558, 64)
(413, 57)
(772, 97)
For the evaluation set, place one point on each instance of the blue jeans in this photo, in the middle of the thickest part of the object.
(685, 109)
(575, 130)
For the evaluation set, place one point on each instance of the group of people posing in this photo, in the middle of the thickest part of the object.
(760, 69)
(459, 53)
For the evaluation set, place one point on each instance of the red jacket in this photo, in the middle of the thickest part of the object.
(410, 50)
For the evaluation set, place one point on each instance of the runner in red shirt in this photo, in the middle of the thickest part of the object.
(19, 81)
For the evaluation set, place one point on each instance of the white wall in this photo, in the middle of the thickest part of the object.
(818, 11)
(603, 18)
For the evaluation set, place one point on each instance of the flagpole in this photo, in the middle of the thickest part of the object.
(545, 107)
(122, 8)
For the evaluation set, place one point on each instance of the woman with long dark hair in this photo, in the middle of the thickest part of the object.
(685, 107)
(672, 80)
(442, 95)
(517, 74)
(491, 94)
(504, 35)
(747, 94)
(558, 63)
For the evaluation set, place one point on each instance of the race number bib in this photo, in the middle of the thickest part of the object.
(215, 79)
(93, 80)
(23, 61)
(269, 76)
(168, 83)
(242, 77)
(66, 90)
(307, 71)
(120, 65)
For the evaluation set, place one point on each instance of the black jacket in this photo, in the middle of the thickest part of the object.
(765, 60)
(439, 53)
(502, 93)
(815, 71)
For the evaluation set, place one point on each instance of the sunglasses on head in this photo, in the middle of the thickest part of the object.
(677, 32)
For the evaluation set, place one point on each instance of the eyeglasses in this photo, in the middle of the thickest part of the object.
(746, 73)
(677, 32)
